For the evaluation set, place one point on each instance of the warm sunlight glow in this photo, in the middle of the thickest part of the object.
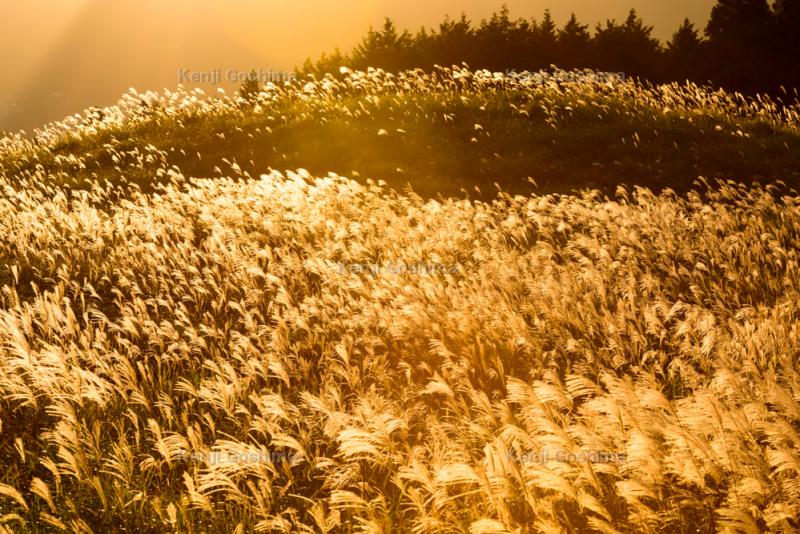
(81, 53)
(423, 266)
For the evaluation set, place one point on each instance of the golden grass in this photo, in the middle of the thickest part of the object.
(197, 360)
(209, 359)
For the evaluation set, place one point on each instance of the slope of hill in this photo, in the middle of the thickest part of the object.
(290, 353)
(440, 132)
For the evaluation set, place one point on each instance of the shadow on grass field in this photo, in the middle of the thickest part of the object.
(444, 143)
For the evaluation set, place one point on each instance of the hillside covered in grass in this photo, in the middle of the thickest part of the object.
(295, 354)
(197, 344)
(442, 133)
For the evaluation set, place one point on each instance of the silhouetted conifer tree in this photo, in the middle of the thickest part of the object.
(386, 48)
(739, 44)
(454, 43)
(787, 40)
(496, 47)
(574, 44)
(684, 53)
(628, 48)
(544, 42)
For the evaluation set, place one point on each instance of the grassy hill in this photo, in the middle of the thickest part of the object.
(441, 133)
(284, 352)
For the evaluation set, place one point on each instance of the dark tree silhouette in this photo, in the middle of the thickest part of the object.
(739, 38)
(454, 43)
(740, 22)
(684, 53)
(544, 43)
(787, 39)
(748, 46)
(250, 87)
(326, 63)
(628, 48)
(574, 44)
(387, 48)
(498, 44)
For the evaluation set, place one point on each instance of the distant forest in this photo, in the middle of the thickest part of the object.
(748, 46)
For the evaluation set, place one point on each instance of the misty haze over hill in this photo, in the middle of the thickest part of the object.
(83, 53)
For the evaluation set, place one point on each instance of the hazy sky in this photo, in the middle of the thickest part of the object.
(60, 56)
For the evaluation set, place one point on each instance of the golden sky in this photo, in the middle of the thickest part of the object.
(60, 56)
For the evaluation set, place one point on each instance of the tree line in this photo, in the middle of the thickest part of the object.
(747, 45)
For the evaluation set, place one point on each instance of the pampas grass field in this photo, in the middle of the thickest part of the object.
(302, 352)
